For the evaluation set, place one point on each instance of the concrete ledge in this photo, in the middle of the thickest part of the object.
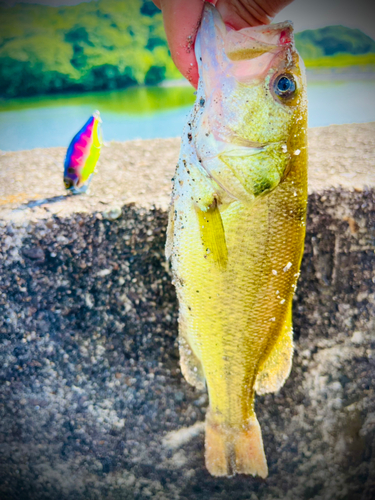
(92, 401)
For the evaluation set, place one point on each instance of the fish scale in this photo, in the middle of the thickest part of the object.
(236, 231)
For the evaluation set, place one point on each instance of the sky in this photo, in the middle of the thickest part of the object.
(306, 14)
(311, 14)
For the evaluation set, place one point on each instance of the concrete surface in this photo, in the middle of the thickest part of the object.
(92, 401)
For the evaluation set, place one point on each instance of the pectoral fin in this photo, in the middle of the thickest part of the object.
(276, 368)
(213, 235)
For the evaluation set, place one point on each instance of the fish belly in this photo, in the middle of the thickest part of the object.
(232, 315)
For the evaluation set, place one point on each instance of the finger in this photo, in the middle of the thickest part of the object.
(240, 14)
(181, 22)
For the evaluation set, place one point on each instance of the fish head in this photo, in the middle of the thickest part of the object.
(71, 178)
(268, 87)
(255, 118)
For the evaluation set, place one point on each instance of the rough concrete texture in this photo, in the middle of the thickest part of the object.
(92, 401)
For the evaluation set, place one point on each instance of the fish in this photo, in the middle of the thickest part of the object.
(236, 229)
(82, 155)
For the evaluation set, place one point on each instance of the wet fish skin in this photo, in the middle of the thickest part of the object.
(236, 230)
(82, 155)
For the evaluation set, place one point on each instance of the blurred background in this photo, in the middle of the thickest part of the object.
(62, 59)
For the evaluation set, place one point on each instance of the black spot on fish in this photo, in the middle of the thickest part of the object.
(262, 187)
(202, 102)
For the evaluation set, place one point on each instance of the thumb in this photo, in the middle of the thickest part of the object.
(181, 23)
(240, 14)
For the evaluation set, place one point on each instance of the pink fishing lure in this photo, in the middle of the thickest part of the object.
(82, 155)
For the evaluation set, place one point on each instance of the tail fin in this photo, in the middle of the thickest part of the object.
(231, 451)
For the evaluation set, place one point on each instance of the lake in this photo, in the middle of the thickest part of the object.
(151, 112)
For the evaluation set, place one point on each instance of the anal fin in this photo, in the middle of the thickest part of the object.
(276, 368)
(191, 367)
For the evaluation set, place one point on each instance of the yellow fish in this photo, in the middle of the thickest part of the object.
(236, 229)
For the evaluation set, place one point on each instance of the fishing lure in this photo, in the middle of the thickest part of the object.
(82, 155)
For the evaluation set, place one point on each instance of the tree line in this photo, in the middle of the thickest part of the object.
(111, 44)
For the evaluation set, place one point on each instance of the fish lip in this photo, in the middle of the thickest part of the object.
(271, 38)
(254, 32)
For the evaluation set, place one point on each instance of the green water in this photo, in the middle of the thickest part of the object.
(131, 101)
(140, 112)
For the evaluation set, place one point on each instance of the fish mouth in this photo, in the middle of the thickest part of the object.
(254, 51)
(249, 43)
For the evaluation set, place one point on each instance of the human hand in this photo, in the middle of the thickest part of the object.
(182, 19)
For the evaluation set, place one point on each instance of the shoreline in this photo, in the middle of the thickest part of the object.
(359, 71)
(140, 171)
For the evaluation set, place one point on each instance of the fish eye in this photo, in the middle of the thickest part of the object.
(285, 85)
(71, 170)
(68, 183)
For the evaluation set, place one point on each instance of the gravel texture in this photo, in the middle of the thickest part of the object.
(92, 401)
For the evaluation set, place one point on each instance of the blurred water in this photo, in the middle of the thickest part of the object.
(337, 102)
(149, 113)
